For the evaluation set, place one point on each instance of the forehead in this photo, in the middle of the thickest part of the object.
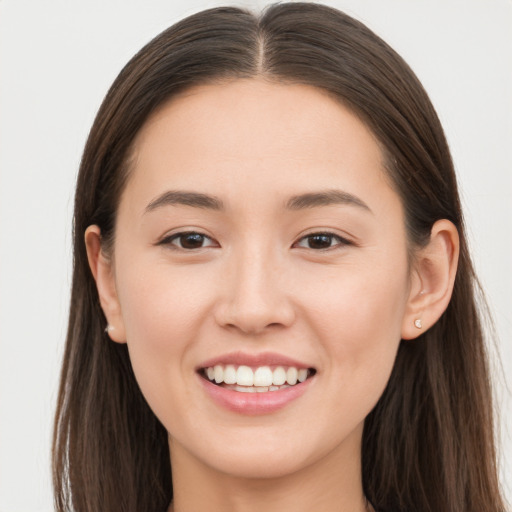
(270, 136)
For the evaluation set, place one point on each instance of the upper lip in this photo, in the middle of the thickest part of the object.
(254, 360)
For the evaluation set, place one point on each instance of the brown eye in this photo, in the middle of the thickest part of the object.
(319, 241)
(189, 240)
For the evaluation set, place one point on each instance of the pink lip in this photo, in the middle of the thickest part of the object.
(253, 360)
(254, 403)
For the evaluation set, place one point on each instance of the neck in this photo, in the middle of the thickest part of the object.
(331, 484)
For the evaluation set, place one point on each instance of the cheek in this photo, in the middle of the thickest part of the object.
(358, 327)
(161, 304)
(163, 310)
(358, 318)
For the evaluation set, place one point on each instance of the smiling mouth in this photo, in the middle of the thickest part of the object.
(260, 379)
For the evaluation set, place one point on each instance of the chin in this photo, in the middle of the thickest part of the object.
(265, 457)
(261, 466)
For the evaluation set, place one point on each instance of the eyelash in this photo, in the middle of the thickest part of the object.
(169, 241)
(177, 236)
(326, 234)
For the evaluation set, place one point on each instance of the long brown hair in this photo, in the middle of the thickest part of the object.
(428, 445)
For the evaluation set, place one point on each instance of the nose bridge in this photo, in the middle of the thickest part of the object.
(256, 274)
(256, 294)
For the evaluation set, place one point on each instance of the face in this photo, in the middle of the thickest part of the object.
(258, 235)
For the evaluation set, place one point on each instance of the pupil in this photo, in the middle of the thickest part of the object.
(319, 241)
(192, 241)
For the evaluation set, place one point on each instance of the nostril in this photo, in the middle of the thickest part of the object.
(252, 312)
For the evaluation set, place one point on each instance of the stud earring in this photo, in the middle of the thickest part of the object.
(109, 328)
(417, 323)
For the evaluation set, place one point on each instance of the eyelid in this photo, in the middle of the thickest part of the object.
(343, 241)
(167, 239)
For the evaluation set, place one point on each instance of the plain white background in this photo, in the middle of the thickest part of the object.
(57, 61)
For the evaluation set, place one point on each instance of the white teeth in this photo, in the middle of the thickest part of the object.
(257, 389)
(245, 389)
(260, 380)
(230, 374)
(244, 376)
(291, 375)
(263, 376)
(218, 373)
(279, 376)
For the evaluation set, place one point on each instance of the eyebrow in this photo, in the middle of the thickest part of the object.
(184, 198)
(325, 198)
(298, 202)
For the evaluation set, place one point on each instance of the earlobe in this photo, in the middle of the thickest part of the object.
(433, 277)
(102, 271)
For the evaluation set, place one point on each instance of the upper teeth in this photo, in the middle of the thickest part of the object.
(261, 376)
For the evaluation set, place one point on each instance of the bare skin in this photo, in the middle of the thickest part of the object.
(300, 249)
(319, 485)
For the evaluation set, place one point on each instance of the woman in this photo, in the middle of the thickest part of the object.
(272, 292)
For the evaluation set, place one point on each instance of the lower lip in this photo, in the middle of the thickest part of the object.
(254, 403)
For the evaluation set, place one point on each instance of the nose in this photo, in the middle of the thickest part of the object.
(255, 294)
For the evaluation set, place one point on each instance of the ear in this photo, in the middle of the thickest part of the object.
(433, 275)
(102, 270)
